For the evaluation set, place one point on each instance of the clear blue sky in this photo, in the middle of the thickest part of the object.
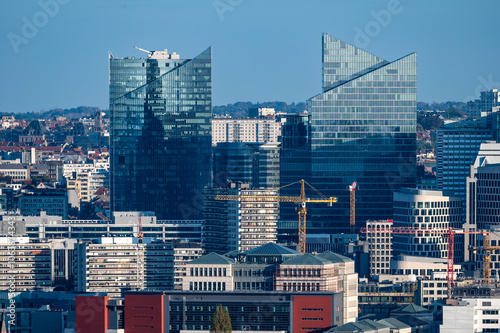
(263, 50)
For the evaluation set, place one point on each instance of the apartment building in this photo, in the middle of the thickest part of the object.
(123, 263)
(379, 238)
(245, 130)
(471, 315)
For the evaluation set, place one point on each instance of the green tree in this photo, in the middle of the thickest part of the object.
(221, 322)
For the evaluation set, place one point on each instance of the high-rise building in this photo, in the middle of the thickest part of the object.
(483, 188)
(161, 113)
(363, 129)
(242, 224)
(257, 164)
(379, 238)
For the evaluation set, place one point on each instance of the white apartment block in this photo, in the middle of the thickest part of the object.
(379, 238)
(184, 252)
(35, 265)
(71, 168)
(245, 130)
(86, 183)
(118, 263)
(471, 315)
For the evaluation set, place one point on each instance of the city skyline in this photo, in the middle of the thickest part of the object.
(235, 33)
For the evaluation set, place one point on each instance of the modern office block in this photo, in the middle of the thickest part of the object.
(257, 164)
(456, 150)
(471, 315)
(427, 209)
(483, 188)
(161, 114)
(363, 129)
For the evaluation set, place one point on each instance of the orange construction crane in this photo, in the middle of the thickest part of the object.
(432, 231)
(352, 210)
(487, 248)
(300, 200)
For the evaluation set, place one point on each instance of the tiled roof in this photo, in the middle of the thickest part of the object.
(211, 259)
(307, 259)
(334, 257)
(272, 249)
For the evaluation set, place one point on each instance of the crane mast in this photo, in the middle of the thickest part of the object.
(352, 207)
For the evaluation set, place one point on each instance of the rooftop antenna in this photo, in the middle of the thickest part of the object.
(143, 50)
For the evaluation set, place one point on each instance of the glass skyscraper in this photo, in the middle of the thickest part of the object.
(363, 129)
(161, 110)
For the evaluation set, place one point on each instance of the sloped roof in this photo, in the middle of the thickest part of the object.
(271, 249)
(394, 323)
(334, 257)
(366, 325)
(412, 321)
(211, 259)
(410, 308)
(307, 259)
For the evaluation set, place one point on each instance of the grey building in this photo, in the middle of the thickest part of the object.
(32, 202)
(257, 164)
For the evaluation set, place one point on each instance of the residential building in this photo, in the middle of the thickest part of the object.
(123, 263)
(241, 219)
(245, 130)
(379, 238)
(363, 129)
(161, 116)
(184, 252)
(488, 102)
(471, 315)
(427, 209)
(261, 112)
(257, 164)
(87, 183)
(36, 265)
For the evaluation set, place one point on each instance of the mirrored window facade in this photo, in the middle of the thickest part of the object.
(161, 111)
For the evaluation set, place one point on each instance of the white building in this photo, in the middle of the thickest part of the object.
(471, 315)
(118, 263)
(245, 221)
(427, 209)
(245, 130)
(379, 238)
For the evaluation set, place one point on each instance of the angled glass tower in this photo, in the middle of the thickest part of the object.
(161, 110)
(363, 129)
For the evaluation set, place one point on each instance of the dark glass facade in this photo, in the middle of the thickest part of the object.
(363, 129)
(160, 111)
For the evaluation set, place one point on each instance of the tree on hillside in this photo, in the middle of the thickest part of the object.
(221, 322)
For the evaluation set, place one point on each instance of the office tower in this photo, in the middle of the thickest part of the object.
(483, 188)
(426, 209)
(242, 224)
(161, 110)
(363, 129)
(257, 164)
(456, 150)
(488, 102)
(245, 130)
(295, 164)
